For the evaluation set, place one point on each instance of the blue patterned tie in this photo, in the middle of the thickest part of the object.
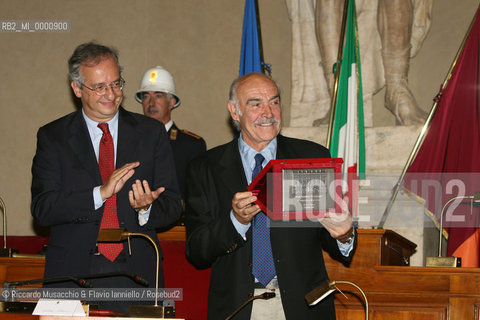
(263, 267)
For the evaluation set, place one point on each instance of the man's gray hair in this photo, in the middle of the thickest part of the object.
(233, 98)
(89, 53)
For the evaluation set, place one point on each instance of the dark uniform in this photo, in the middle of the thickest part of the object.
(186, 146)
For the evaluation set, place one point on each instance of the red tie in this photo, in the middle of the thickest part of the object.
(109, 218)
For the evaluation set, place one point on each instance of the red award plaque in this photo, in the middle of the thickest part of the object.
(299, 189)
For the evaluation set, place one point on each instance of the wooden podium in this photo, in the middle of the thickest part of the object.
(399, 292)
(394, 290)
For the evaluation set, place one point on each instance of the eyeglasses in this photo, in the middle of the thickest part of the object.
(101, 89)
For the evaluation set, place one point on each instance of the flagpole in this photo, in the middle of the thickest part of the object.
(260, 42)
(425, 129)
(337, 73)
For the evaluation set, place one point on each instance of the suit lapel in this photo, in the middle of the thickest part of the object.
(283, 149)
(230, 165)
(127, 143)
(81, 145)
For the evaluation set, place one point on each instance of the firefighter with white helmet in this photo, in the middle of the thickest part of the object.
(157, 80)
(158, 96)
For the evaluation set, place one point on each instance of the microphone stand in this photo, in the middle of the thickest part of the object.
(80, 282)
(136, 278)
(449, 261)
(5, 252)
(327, 287)
(118, 235)
(27, 307)
(264, 296)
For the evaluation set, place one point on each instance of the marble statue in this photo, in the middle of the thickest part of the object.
(390, 33)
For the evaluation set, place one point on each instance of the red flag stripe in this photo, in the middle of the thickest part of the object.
(468, 250)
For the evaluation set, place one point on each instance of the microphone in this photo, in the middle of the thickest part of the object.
(404, 260)
(263, 296)
(140, 280)
(134, 277)
(79, 281)
(268, 295)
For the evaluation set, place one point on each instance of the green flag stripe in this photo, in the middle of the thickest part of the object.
(351, 55)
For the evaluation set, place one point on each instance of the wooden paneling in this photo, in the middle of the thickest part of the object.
(13, 316)
(19, 269)
(176, 233)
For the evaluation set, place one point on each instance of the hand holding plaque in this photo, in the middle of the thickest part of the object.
(243, 207)
(299, 189)
(339, 224)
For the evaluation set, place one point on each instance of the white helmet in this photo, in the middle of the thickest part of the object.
(157, 79)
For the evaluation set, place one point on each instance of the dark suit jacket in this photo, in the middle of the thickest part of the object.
(213, 241)
(65, 171)
(185, 146)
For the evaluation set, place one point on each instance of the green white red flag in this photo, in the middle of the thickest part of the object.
(348, 137)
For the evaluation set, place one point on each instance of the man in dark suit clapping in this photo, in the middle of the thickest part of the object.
(102, 167)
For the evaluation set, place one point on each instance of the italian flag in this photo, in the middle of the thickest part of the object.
(348, 137)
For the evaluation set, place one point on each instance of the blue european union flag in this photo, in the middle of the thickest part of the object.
(250, 55)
